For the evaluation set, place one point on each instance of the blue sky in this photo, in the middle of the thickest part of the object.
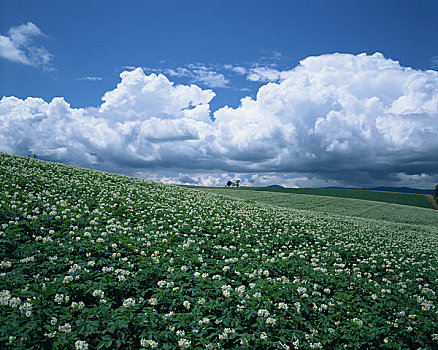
(77, 50)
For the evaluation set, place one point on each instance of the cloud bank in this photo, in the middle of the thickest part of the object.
(18, 47)
(336, 119)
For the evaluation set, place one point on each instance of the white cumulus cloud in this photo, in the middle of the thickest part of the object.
(334, 119)
(143, 96)
(18, 46)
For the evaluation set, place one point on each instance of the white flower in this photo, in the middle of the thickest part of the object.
(296, 343)
(170, 314)
(283, 346)
(66, 328)
(148, 343)
(5, 295)
(301, 290)
(283, 306)
(153, 301)
(186, 304)
(59, 298)
(128, 302)
(5, 264)
(68, 279)
(263, 313)
(81, 345)
(271, 320)
(205, 320)
(26, 308)
(240, 289)
(14, 302)
(162, 284)
(263, 336)
(358, 321)
(79, 306)
(98, 293)
(184, 343)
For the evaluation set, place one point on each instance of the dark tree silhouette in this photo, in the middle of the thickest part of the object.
(229, 183)
(237, 183)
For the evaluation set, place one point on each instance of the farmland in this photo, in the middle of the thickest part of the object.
(410, 199)
(92, 260)
(331, 205)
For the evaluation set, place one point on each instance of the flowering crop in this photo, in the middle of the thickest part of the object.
(91, 260)
(415, 200)
(350, 207)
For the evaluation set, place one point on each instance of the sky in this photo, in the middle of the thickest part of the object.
(296, 93)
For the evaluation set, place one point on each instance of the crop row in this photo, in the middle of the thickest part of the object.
(338, 206)
(410, 199)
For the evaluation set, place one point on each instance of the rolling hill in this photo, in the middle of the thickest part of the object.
(410, 199)
(93, 260)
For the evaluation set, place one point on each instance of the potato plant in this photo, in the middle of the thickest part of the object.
(92, 260)
(331, 205)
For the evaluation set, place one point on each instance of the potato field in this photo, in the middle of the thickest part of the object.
(93, 260)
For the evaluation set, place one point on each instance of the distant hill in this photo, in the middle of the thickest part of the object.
(388, 189)
(395, 196)
(278, 186)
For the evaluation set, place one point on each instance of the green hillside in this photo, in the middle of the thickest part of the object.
(416, 200)
(336, 205)
(92, 260)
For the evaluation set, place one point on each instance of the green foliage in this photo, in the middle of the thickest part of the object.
(416, 200)
(101, 261)
(347, 207)
(435, 193)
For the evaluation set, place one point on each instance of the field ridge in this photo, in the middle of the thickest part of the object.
(432, 202)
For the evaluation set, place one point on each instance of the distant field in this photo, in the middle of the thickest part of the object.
(335, 205)
(415, 200)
